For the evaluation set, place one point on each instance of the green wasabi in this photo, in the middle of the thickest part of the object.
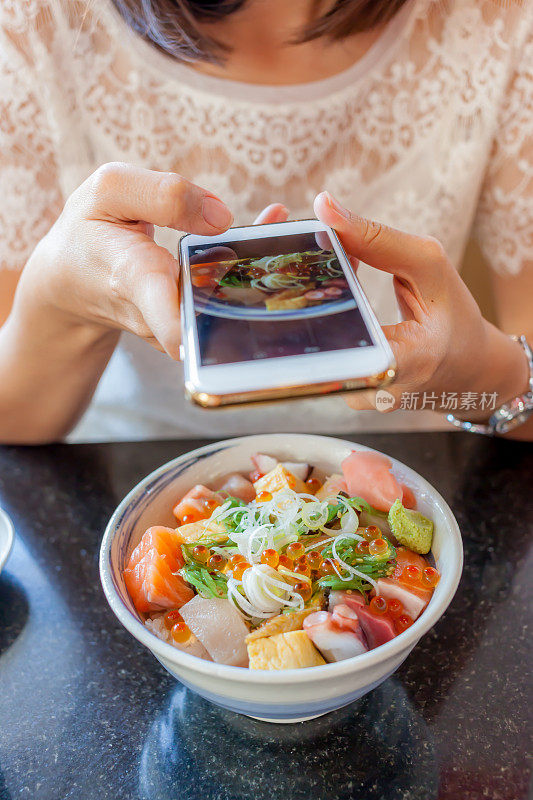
(411, 528)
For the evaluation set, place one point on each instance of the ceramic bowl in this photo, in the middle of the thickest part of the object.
(285, 695)
(7, 535)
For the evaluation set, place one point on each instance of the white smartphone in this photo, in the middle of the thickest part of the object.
(275, 311)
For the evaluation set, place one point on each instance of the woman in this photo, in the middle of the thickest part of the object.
(412, 112)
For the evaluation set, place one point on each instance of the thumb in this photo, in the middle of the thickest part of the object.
(414, 259)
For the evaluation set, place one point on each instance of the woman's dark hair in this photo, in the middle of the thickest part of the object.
(172, 25)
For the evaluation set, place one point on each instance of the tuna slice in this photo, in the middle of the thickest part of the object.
(152, 585)
(236, 485)
(368, 475)
(334, 643)
(219, 627)
(198, 502)
(378, 629)
(412, 603)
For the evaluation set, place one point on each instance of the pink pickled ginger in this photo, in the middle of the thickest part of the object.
(368, 475)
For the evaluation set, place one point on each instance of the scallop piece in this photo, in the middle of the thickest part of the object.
(219, 627)
(192, 646)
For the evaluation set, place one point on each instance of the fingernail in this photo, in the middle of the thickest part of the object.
(216, 213)
(337, 206)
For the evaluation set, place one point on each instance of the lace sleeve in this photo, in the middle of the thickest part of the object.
(30, 198)
(504, 220)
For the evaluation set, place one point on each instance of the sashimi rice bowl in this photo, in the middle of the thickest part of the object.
(281, 576)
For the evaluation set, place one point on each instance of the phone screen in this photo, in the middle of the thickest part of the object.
(272, 297)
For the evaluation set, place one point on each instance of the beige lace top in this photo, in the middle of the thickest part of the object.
(431, 131)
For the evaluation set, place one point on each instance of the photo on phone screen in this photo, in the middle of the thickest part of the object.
(272, 297)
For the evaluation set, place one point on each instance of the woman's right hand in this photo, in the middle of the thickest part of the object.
(99, 266)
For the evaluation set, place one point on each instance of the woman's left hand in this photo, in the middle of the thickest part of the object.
(444, 345)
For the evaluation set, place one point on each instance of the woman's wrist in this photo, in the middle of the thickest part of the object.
(50, 364)
(503, 375)
(37, 305)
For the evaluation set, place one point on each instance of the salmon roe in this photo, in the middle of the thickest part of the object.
(403, 622)
(327, 567)
(303, 569)
(201, 553)
(180, 632)
(395, 608)
(412, 574)
(217, 561)
(378, 605)
(362, 547)
(255, 475)
(430, 577)
(285, 561)
(270, 557)
(303, 589)
(372, 532)
(378, 547)
(295, 550)
(313, 485)
(234, 560)
(314, 559)
(239, 569)
(263, 497)
(171, 617)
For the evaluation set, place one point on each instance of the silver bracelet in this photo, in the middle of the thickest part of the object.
(510, 415)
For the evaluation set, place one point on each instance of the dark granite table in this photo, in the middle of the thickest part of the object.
(87, 713)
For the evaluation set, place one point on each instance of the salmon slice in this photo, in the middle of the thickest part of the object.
(198, 503)
(152, 585)
(165, 541)
(404, 558)
(411, 601)
(331, 487)
(368, 475)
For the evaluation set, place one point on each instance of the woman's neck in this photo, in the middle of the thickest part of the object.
(259, 35)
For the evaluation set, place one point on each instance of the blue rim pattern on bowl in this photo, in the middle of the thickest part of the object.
(7, 523)
(128, 517)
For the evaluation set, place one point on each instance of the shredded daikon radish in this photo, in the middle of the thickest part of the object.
(263, 593)
(319, 545)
